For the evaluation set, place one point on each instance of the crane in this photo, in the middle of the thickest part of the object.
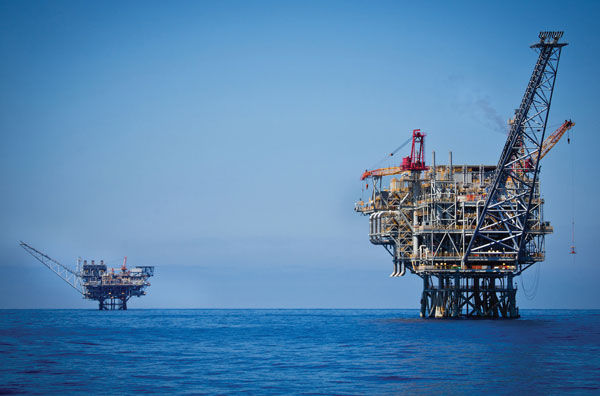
(555, 137)
(414, 162)
(504, 223)
(546, 146)
(393, 170)
(73, 278)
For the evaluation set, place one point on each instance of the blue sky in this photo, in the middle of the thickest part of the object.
(223, 142)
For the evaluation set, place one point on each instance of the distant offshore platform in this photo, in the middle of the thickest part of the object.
(94, 281)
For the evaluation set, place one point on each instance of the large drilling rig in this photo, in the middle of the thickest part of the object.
(469, 230)
(95, 281)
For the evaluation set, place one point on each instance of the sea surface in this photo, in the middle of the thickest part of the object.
(353, 352)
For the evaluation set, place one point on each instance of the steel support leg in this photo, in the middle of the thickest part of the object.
(473, 296)
(424, 296)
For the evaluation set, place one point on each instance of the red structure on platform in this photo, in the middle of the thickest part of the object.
(416, 160)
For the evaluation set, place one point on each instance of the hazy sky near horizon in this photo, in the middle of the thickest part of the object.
(222, 142)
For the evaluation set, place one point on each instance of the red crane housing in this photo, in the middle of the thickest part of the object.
(416, 160)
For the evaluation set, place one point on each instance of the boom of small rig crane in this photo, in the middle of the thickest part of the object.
(393, 170)
(65, 273)
(546, 146)
(551, 140)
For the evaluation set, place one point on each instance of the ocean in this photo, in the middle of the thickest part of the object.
(296, 351)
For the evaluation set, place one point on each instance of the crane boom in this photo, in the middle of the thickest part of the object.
(393, 170)
(555, 137)
(504, 222)
(65, 273)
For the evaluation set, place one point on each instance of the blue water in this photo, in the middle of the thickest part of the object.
(296, 352)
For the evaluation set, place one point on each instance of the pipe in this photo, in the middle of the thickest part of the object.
(399, 269)
(451, 170)
(433, 174)
(480, 175)
(403, 271)
(477, 209)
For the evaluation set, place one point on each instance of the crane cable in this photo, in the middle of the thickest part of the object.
(530, 293)
(387, 156)
(378, 164)
(572, 252)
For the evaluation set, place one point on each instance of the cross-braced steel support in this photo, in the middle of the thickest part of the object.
(454, 295)
(113, 304)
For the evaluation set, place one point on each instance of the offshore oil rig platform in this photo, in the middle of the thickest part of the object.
(469, 230)
(95, 281)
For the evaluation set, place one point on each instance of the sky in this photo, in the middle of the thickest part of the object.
(223, 141)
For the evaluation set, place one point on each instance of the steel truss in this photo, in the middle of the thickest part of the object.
(506, 216)
(113, 304)
(65, 273)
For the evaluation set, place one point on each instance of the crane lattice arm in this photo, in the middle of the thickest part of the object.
(394, 170)
(503, 225)
(555, 137)
(65, 273)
